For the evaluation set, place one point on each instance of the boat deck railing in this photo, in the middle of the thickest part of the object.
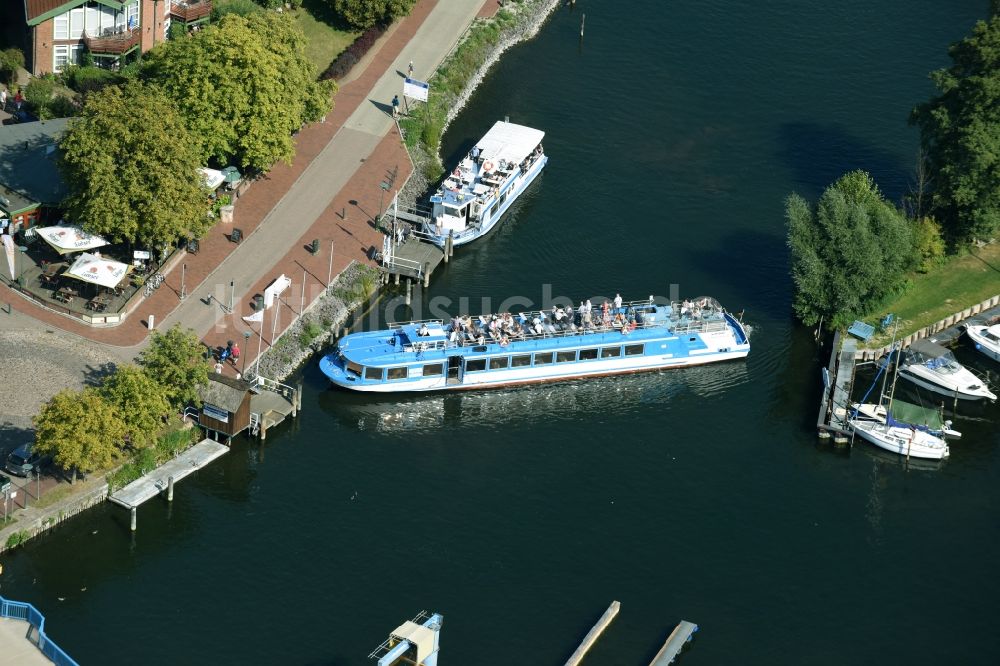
(20, 610)
(476, 332)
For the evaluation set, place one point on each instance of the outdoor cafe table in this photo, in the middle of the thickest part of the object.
(99, 303)
(65, 295)
(51, 272)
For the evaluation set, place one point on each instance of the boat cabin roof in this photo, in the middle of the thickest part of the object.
(929, 349)
(509, 142)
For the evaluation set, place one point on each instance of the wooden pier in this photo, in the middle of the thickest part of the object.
(678, 638)
(838, 382)
(410, 254)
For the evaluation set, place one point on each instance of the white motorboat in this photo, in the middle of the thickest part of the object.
(987, 339)
(933, 367)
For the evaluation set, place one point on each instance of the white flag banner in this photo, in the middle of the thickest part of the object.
(416, 89)
(8, 244)
(256, 316)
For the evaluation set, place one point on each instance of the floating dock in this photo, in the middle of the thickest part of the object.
(594, 634)
(838, 382)
(416, 642)
(679, 637)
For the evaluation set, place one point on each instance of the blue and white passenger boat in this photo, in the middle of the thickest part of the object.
(507, 349)
(476, 194)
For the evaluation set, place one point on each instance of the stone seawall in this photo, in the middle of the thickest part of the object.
(31, 522)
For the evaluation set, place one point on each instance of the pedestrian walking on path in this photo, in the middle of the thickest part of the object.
(395, 106)
(3, 99)
(409, 72)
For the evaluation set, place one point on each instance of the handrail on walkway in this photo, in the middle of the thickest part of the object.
(19, 610)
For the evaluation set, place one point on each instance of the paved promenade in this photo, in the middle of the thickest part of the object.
(330, 192)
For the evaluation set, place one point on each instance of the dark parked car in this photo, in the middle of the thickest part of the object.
(23, 461)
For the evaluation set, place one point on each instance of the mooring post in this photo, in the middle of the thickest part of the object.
(409, 290)
(583, 19)
(170, 489)
(298, 396)
(447, 247)
(427, 274)
(395, 279)
(295, 402)
(263, 428)
(133, 519)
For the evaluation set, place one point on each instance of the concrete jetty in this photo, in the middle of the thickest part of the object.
(594, 634)
(678, 638)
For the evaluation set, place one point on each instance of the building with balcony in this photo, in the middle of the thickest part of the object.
(113, 32)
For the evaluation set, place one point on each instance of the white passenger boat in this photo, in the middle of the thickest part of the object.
(484, 184)
(987, 339)
(933, 367)
(508, 349)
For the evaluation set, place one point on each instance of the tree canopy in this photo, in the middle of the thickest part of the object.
(176, 360)
(960, 133)
(80, 430)
(366, 13)
(140, 400)
(849, 252)
(243, 86)
(131, 168)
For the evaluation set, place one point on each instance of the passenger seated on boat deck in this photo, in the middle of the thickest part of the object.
(423, 330)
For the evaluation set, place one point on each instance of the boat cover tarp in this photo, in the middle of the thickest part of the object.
(509, 142)
(928, 350)
(906, 414)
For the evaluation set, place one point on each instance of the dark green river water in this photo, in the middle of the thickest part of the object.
(674, 132)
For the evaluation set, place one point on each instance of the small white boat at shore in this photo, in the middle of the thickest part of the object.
(484, 184)
(933, 367)
(986, 338)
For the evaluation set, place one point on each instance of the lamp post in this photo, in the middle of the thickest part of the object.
(20, 273)
(384, 186)
(246, 342)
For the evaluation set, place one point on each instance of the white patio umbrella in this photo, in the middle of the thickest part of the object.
(67, 238)
(98, 270)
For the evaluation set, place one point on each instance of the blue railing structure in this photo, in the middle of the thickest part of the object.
(19, 610)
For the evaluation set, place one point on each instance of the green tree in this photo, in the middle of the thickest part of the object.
(849, 252)
(222, 7)
(243, 86)
(366, 13)
(140, 400)
(928, 244)
(960, 133)
(132, 170)
(38, 95)
(176, 360)
(11, 60)
(80, 430)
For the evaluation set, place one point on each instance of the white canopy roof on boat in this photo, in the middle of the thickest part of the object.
(213, 177)
(509, 142)
(97, 270)
(67, 238)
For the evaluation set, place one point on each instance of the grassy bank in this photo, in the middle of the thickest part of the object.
(953, 286)
(175, 439)
(325, 40)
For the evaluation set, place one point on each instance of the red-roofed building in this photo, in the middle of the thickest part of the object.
(115, 32)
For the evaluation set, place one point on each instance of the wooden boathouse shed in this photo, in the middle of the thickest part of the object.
(225, 407)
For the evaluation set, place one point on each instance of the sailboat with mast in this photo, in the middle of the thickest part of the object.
(897, 426)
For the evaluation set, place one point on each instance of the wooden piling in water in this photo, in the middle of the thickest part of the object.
(170, 489)
(594, 634)
(133, 519)
(409, 291)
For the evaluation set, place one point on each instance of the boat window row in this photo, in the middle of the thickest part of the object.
(502, 362)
